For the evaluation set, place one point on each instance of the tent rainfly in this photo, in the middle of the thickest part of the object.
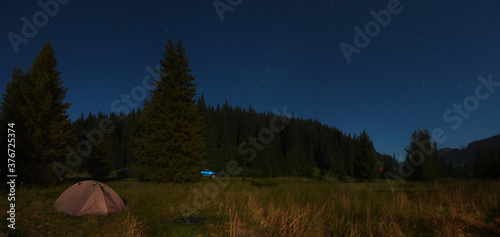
(89, 198)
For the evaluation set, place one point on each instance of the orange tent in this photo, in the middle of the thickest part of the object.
(89, 198)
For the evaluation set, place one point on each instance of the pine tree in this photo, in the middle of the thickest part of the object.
(130, 130)
(365, 163)
(10, 109)
(294, 150)
(209, 135)
(13, 97)
(170, 148)
(341, 170)
(98, 164)
(422, 156)
(350, 154)
(45, 118)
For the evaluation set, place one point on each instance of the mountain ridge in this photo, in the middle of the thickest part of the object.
(462, 155)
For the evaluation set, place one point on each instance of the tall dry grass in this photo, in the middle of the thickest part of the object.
(293, 207)
(133, 227)
(344, 209)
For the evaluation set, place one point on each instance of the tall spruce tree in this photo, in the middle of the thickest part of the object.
(13, 97)
(422, 156)
(45, 119)
(12, 102)
(365, 162)
(170, 148)
(98, 162)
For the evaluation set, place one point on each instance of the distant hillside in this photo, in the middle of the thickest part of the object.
(459, 156)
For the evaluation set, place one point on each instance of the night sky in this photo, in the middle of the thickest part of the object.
(272, 54)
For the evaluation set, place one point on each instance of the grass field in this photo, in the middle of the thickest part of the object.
(279, 207)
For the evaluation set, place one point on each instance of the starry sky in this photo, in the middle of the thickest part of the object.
(418, 69)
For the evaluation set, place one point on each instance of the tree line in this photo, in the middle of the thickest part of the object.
(304, 147)
(175, 134)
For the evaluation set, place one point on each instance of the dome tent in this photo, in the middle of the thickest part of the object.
(89, 198)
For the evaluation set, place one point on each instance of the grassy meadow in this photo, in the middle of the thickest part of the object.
(273, 207)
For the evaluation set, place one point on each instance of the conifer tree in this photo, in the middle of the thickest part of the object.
(422, 156)
(170, 148)
(209, 135)
(130, 130)
(45, 118)
(10, 108)
(98, 164)
(350, 156)
(13, 97)
(294, 150)
(365, 163)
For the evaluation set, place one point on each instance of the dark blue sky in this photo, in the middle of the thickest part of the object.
(271, 54)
